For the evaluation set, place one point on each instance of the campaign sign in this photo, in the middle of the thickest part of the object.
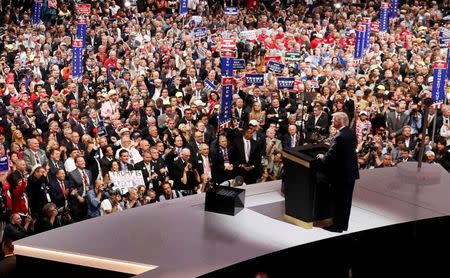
(448, 61)
(199, 33)
(183, 6)
(209, 85)
(248, 35)
(272, 58)
(384, 17)
(256, 79)
(239, 64)
(285, 83)
(275, 67)
(228, 43)
(439, 76)
(4, 167)
(292, 56)
(227, 81)
(84, 9)
(231, 11)
(227, 53)
(122, 180)
(226, 66)
(196, 19)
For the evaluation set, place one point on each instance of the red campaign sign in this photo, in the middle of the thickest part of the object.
(272, 58)
(361, 28)
(375, 26)
(385, 5)
(439, 65)
(227, 53)
(227, 81)
(84, 9)
(229, 43)
(366, 19)
(77, 43)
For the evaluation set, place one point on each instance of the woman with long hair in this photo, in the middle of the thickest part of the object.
(257, 114)
(19, 140)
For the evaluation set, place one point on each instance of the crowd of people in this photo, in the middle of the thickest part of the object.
(145, 101)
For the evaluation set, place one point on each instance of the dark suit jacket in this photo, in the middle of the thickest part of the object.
(54, 168)
(77, 180)
(238, 158)
(394, 126)
(287, 141)
(340, 161)
(218, 170)
(88, 130)
(199, 165)
(280, 119)
(57, 194)
(145, 173)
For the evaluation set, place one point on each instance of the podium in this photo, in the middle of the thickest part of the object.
(306, 187)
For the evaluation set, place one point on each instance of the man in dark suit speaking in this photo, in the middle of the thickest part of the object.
(342, 166)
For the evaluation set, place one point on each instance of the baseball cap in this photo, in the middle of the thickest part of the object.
(381, 87)
(253, 123)
(363, 113)
(179, 94)
(198, 102)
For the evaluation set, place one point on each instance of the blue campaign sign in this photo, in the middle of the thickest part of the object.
(77, 58)
(448, 61)
(183, 6)
(439, 76)
(359, 44)
(81, 31)
(275, 67)
(226, 104)
(384, 17)
(367, 21)
(4, 166)
(285, 83)
(231, 11)
(394, 9)
(256, 79)
(209, 85)
(239, 64)
(199, 33)
(227, 66)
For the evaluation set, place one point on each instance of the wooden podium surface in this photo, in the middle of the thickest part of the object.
(306, 186)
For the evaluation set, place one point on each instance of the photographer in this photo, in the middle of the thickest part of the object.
(112, 204)
(94, 198)
(370, 154)
(52, 218)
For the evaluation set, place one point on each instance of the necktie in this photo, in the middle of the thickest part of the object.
(36, 157)
(56, 165)
(207, 167)
(247, 150)
(293, 141)
(85, 178)
(225, 155)
(63, 188)
(398, 120)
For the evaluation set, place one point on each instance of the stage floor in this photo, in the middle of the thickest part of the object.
(179, 239)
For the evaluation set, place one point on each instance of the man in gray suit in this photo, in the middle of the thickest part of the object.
(34, 155)
(397, 119)
(81, 178)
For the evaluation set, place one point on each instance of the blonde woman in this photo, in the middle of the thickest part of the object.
(257, 114)
(17, 137)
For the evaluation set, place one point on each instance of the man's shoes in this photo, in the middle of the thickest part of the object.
(333, 229)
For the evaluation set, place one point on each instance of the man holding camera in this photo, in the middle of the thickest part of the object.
(94, 198)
